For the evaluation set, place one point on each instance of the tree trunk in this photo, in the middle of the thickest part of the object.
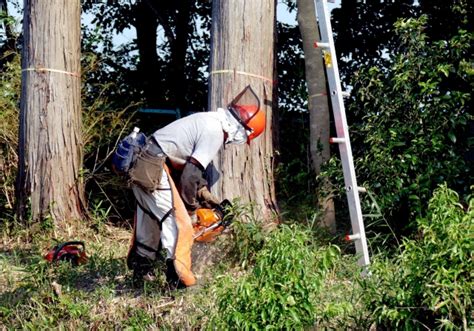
(242, 53)
(178, 54)
(318, 104)
(50, 142)
(147, 68)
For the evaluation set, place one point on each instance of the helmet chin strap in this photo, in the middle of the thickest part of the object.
(236, 133)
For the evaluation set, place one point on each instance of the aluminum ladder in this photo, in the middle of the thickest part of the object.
(342, 139)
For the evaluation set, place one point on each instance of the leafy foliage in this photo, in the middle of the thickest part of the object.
(247, 237)
(364, 32)
(431, 282)
(290, 280)
(278, 292)
(413, 132)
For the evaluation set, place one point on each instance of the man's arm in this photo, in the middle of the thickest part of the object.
(193, 188)
(191, 181)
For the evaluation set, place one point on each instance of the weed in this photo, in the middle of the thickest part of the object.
(247, 235)
(430, 283)
(277, 293)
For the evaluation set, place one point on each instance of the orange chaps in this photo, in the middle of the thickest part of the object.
(178, 224)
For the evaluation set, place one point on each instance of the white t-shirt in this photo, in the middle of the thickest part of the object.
(198, 135)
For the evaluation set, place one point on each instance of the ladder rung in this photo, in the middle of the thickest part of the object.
(320, 44)
(361, 189)
(337, 140)
(352, 237)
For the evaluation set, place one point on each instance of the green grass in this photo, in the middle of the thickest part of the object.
(37, 295)
(287, 277)
(100, 294)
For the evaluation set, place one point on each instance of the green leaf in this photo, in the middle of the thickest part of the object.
(452, 136)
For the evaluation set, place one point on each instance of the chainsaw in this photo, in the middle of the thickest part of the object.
(212, 222)
(72, 251)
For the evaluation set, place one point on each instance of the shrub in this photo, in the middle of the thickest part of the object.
(411, 122)
(278, 293)
(247, 236)
(431, 282)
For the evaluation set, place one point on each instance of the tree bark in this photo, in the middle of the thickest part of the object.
(242, 53)
(318, 103)
(50, 142)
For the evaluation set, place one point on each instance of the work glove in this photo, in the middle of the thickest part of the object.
(191, 182)
(207, 199)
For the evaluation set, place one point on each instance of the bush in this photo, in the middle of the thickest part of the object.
(247, 236)
(412, 131)
(431, 282)
(278, 293)
(106, 119)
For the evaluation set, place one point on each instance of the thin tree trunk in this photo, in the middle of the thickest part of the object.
(50, 142)
(318, 105)
(242, 53)
(178, 51)
(148, 70)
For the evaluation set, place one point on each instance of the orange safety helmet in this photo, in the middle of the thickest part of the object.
(252, 119)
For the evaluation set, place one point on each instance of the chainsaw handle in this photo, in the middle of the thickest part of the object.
(221, 208)
(64, 244)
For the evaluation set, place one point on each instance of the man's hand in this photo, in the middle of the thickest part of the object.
(206, 199)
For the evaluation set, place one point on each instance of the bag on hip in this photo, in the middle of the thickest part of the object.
(147, 170)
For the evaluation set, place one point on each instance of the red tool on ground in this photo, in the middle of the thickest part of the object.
(72, 251)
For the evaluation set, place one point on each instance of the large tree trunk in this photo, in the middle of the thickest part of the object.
(318, 105)
(242, 53)
(50, 142)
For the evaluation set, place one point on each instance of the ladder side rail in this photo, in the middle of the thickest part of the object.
(345, 151)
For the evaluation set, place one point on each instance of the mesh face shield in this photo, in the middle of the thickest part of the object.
(244, 107)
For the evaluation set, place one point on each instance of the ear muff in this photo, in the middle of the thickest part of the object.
(252, 118)
(257, 124)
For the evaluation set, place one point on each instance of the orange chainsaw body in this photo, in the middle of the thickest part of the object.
(206, 219)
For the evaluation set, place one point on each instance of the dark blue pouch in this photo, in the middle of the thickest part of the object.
(127, 152)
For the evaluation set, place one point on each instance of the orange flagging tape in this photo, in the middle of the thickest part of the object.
(41, 69)
(317, 95)
(236, 72)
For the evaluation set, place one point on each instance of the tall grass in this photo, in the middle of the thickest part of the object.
(10, 80)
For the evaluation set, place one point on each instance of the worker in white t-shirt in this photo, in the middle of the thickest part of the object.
(189, 145)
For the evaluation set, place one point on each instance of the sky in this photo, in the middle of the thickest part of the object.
(290, 18)
(129, 34)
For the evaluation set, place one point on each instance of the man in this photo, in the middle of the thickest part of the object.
(189, 145)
